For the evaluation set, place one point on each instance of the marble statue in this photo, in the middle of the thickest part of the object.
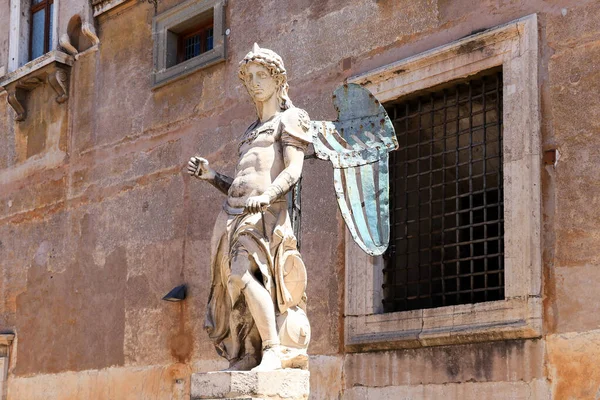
(256, 314)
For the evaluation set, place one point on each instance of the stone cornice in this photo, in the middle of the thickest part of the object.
(101, 6)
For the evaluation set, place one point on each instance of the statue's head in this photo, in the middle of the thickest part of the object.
(264, 75)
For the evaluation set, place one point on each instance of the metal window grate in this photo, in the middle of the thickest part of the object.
(193, 46)
(209, 39)
(446, 200)
(197, 43)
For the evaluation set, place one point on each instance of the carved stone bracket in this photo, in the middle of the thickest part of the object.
(52, 68)
(16, 105)
(58, 80)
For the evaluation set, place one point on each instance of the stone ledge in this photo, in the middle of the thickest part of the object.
(54, 56)
(285, 384)
(102, 6)
(516, 318)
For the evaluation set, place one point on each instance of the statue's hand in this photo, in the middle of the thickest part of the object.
(198, 167)
(256, 204)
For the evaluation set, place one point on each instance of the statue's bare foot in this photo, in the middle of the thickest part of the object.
(271, 360)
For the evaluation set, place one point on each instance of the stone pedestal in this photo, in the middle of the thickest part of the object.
(284, 384)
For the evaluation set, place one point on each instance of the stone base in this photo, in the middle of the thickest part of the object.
(283, 384)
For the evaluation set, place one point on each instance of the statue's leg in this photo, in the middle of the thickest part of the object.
(258, 298)
(261, 307)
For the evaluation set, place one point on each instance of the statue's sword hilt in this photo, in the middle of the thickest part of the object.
(264, 227)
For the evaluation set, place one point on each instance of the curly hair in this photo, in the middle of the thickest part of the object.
(273, 62)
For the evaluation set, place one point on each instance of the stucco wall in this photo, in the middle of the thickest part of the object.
(94, 234)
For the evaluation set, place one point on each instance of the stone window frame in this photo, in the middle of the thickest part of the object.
(47, 6)
(6, 339)
(177, 16)
(514, 47)
(19, 33)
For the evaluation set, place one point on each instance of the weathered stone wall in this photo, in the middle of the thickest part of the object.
(98, 219)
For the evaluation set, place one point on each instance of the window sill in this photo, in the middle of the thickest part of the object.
(53, 67)
(36, 64)
(516, 318)
(181, 70)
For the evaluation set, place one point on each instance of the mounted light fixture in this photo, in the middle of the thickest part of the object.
(176, 294)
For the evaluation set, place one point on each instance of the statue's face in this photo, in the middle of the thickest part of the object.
(260, 83)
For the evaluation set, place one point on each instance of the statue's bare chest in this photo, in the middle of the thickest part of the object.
(264, 135)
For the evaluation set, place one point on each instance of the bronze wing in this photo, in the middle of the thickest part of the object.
(357, 144)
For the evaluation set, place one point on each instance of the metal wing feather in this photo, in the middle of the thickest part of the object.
(357, 144)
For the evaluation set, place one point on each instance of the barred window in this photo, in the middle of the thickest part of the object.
(446, 197)
(196, 42)
(188, 37)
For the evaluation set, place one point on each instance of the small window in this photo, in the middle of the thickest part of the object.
(187, 37)
(40, 37)
(195, 43)
(446, 197)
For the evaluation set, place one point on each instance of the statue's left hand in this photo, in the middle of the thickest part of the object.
(256, 204)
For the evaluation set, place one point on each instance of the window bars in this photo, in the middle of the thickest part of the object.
(446, 199)
(198, 42)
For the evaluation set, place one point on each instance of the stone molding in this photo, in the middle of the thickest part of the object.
(535, 389)
(102, 6)
(177, 16)
(514, 47)
(52, 68)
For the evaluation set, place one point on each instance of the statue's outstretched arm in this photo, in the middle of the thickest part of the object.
(199, 167)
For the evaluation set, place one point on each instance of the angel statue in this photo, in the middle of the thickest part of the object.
(257, 302)
(256, 313)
